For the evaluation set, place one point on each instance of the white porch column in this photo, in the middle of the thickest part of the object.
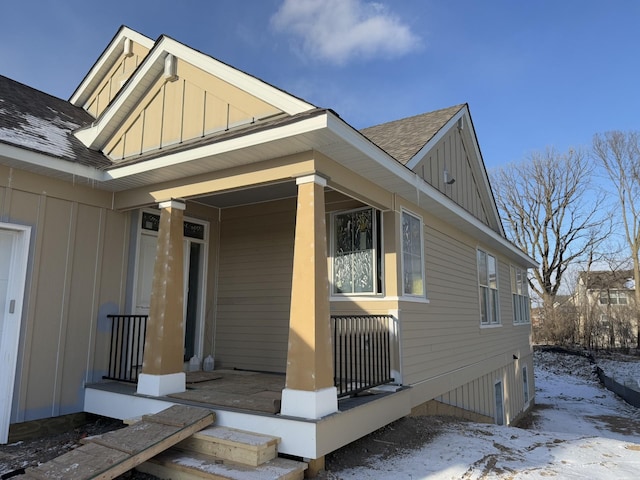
(309, 390)
(162, 367)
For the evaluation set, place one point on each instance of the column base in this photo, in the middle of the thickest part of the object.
(305, 404)
(159, 385)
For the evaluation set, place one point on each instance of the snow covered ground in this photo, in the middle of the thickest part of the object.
(580, 431)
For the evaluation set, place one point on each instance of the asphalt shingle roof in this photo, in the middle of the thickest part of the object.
(403, 138)
(42, 123)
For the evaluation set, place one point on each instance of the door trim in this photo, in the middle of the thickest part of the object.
(10, 339)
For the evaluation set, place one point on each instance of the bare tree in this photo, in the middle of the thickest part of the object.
(619, 153)
(551, 212)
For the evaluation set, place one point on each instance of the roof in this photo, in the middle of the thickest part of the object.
(404, 138)
(39, 122)
(608, 279)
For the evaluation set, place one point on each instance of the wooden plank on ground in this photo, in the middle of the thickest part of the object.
(107, 456)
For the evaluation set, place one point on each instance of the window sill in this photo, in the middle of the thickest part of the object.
(414, 299)
(493, 325)
(522, 324)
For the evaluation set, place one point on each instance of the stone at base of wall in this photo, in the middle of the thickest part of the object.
(433, 407)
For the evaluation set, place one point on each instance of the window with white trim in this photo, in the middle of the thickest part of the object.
(525, 384)
(412, 255)
(520, 295)
(356, 251)
(488, 283)
(613, 297)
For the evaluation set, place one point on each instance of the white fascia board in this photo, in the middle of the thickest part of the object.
(436, 138)
(117, 43)
(308, 125)
(252, 85)
(412, 179)
(51, 163)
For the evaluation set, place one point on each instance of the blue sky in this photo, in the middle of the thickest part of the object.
(535, 73)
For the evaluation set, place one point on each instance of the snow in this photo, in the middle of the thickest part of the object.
(580, 430)
(623, 369)
(50, 135)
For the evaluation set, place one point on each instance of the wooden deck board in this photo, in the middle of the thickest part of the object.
(114, 453)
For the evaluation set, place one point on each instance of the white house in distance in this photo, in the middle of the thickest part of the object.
(176, 203)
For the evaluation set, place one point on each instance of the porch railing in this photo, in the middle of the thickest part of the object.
(126, 348)
(361, 352)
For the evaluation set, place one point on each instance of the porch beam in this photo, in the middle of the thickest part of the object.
(162, 367)
(227, 179)
(309, 391)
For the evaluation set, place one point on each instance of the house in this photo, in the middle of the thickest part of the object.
(605, 300)
(243, 223)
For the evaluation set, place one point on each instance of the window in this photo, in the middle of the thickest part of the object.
(520, 294)
(613, 297)
(356, 252)
(525, 384)
(412, 251)
(488, 281)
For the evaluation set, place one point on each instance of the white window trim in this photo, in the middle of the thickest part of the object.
(413, 296)
(528, 299)
(498, 312)
(526, 392)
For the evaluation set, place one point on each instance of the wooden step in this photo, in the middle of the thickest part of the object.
(109, 455)
(177, 464)
(238, 446)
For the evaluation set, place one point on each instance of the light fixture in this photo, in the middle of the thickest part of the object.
(447, 179)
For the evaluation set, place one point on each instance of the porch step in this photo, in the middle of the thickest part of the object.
(177, 464)
(238, 446)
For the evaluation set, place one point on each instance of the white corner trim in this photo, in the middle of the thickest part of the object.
(173, 203)
(306, 404)
(312, 179)
(160, 385)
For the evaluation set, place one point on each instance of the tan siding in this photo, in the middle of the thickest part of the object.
(450, 153)
(254, 287)
(196, 104)
(67, 287)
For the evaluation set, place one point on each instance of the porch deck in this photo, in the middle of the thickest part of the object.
(251, 401)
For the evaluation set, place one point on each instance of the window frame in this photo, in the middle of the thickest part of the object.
(423, 293)
(613, 297)
(520, 299)
(525, 384)
(377, 256)
(486, 293)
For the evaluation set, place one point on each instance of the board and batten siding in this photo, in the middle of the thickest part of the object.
(450, 153)
(75, 277)
(446, 354)
(254, 286)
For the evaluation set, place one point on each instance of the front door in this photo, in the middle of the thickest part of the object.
(194, 278)
(14, 253)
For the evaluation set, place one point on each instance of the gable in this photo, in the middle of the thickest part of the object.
(108, 75)
(191, 104)
(461, 182)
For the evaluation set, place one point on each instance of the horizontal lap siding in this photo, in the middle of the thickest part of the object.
(443, 344)
(254, 286)
(75, 277)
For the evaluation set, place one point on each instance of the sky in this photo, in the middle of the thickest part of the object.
(535, 73)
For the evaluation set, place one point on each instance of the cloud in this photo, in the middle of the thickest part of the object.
(340, 30)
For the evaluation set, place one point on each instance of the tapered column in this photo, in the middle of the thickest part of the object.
(309, 390)
(162, 368)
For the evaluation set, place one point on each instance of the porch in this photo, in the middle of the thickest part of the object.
(251, 400)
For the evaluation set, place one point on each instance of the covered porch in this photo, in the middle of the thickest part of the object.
(285, 348)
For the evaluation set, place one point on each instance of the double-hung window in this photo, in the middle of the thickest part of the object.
(488, 282)
(520, 295)
(356, 252)
(412, 256)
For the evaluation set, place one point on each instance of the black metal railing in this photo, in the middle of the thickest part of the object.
(361, 352)
(126, 349)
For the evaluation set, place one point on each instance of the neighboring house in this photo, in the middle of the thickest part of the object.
(241, 219)
(606, 303)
